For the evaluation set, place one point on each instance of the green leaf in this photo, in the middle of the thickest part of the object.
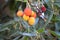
(6, 25)
(36, 21)
(49, 18)
(18, 0)
(25, 0)
(1, 38)
(17, 38)
(28, 34)
(57, 4)
(54, 33)
(25, 38)
(57, 26)
(4, 29)
(22, 0)
(15, 33)
(40, 30)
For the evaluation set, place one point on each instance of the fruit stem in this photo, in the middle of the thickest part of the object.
(42, 2)
(39, 3)
(28, 5)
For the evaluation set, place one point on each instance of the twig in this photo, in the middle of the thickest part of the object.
(28, 5)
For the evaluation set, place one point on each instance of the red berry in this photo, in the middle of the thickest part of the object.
(43, 8)
(28, 11)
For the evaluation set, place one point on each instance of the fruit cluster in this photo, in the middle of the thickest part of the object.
(28, 15)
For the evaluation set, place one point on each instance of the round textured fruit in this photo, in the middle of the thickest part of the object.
(31, 21)
(25, 17)
(33, 14)
(27, 11)
(20, 13)
(43, 8)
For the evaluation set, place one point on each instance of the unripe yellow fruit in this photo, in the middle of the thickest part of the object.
(20, 13)
(33, 14)
(31, 21)
(25, 17)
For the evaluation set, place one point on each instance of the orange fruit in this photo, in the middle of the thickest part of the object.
(27, 11)
(25, 17)
(33, 14)
(31, 21)
(20, 13)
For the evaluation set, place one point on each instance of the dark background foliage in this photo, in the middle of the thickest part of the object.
(14, 28)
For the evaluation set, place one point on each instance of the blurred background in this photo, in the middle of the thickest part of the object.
(10, 27)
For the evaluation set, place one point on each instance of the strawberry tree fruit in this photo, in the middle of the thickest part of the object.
(31, 21)
(28, 11)
(25, 17)
(43, 8)
(33, 14)
(20, 13)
